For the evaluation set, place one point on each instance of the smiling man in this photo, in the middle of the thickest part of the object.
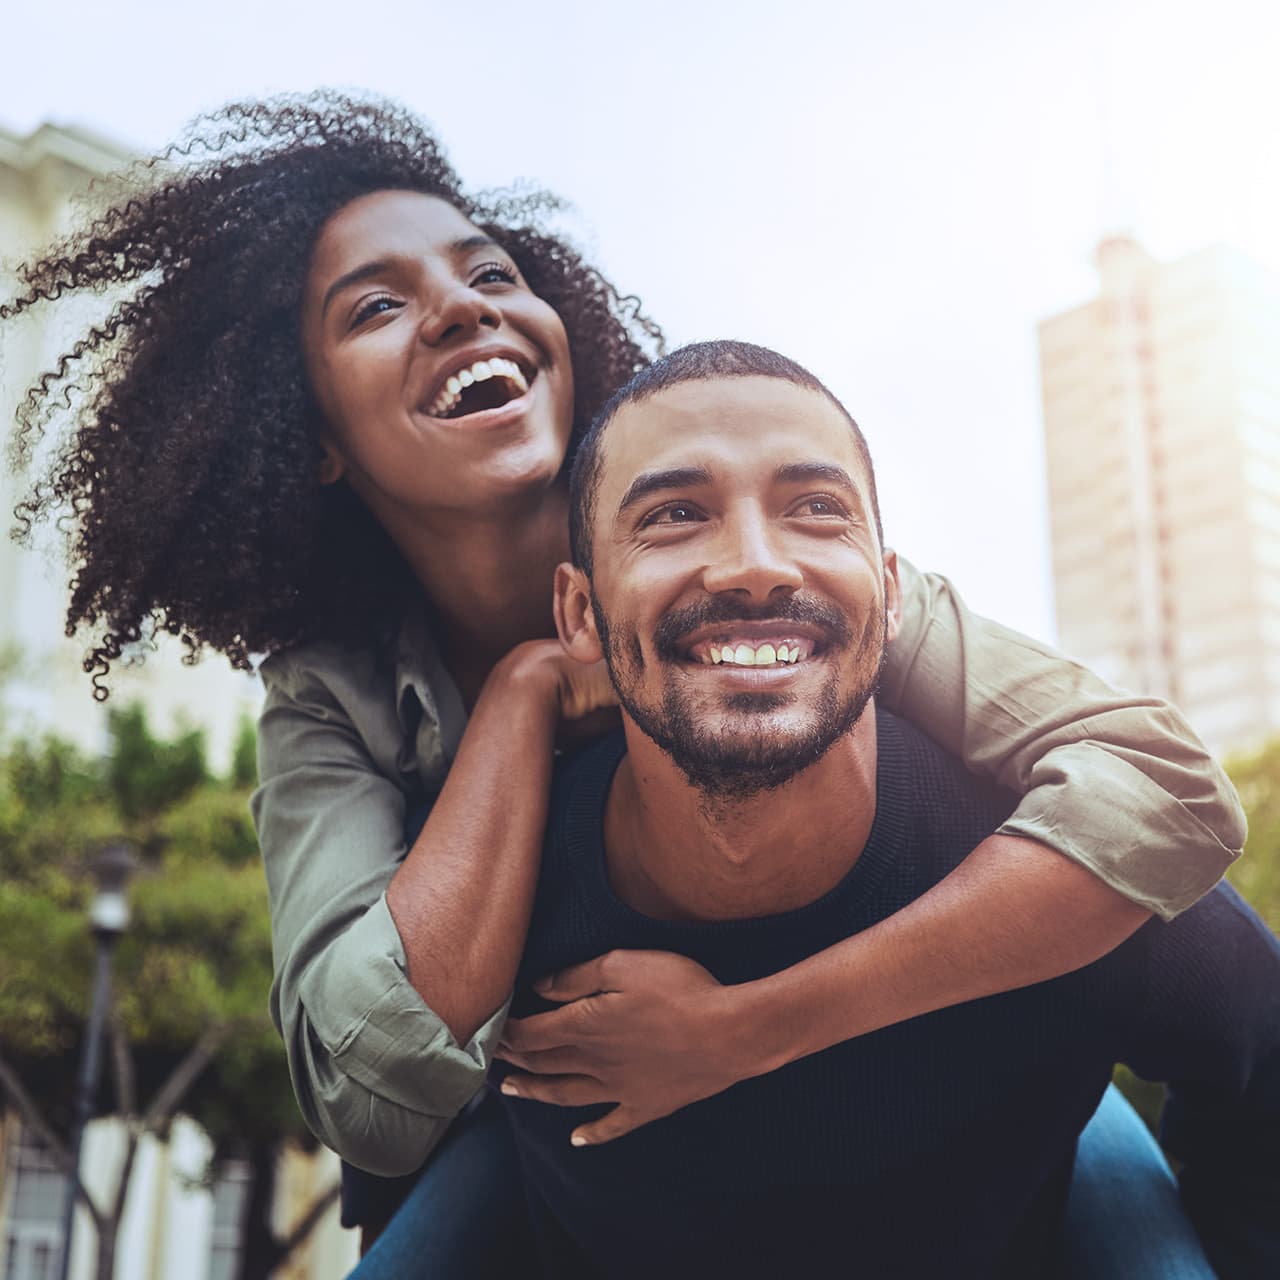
(755, 809)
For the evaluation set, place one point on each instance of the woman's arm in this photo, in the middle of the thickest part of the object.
(393, 968)
(1119, 785)
(1116, 782)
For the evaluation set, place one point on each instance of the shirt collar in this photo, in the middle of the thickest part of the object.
(428, 704)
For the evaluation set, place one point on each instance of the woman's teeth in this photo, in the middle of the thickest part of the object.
(446, 400)
(745, 655)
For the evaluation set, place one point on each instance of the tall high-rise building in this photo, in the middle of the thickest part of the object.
(1162, 431)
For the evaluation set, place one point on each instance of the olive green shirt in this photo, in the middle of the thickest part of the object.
(1117, 782)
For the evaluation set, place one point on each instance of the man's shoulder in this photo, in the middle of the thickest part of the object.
(580, 783)
(931, 787)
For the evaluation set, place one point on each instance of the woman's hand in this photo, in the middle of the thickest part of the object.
(648, 1030)
(575, 689)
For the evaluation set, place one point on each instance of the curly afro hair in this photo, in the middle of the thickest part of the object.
(190, 457)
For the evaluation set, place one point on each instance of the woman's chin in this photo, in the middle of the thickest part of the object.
(519, 478)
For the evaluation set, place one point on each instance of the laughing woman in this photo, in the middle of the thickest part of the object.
(328, 422)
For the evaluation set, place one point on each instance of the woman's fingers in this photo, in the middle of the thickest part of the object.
(567, 1060)
(578, 980)
(613, 1125)
(540, 1031)
(560, 1091)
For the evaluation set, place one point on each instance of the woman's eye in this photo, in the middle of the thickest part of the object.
(374, 306)
(495, 273)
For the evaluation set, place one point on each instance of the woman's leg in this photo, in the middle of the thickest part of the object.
(1124, 1219)
(466, 1216)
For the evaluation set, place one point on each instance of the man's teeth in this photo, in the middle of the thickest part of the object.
(744, 655)
(449, 395)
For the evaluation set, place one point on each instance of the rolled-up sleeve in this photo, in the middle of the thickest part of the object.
(377, 1074)
(1115, 781)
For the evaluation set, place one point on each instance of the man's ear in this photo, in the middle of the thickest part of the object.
(575, 620)
(892, 594)
(332, 464)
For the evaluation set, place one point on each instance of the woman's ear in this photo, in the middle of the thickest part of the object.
(575, 619)
(332, 465)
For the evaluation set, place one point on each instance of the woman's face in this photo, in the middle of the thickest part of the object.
(444, 382)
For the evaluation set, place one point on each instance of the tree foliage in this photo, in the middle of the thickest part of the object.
(198, 949)
(1257, 873)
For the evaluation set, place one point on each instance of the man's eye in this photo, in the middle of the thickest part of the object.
(374, 306)
(674, 513)
(820, 506)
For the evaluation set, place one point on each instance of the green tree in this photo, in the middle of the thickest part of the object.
(1257, 873)
(189, 1029)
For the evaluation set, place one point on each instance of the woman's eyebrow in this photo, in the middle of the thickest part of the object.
(362, 272)
(467, 243)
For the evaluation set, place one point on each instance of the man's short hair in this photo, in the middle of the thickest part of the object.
(697, 362)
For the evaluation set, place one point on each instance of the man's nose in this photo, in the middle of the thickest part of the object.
(455, 310)
(750, 557)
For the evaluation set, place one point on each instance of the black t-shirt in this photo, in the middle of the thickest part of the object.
(940, 1146)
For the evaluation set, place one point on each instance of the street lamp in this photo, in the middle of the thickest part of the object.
(111, 868)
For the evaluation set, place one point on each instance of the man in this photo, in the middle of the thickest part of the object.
(755, 809)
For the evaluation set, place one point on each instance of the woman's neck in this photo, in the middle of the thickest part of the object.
(489, 582)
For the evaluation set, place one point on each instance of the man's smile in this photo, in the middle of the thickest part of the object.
(773, 644)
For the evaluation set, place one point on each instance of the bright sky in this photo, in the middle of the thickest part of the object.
(893, 194)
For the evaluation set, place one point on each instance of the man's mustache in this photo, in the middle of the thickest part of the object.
(679, 622)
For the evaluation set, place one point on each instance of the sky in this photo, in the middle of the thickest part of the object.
(893, 194)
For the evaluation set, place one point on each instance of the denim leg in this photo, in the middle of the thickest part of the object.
(466, 1217)
(1124, 1219)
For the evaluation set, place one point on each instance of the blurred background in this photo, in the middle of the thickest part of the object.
(1034, 248)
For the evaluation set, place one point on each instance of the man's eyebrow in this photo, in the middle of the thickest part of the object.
(455, 248)
(808, 472)
(649, 482)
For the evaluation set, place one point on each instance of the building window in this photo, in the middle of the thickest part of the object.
(33, 1223)
(230, 1203)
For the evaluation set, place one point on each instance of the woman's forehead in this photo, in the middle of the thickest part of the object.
(394, 223)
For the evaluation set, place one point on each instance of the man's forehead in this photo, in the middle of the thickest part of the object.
(724, 425)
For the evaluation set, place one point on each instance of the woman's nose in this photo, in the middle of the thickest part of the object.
(458, 310)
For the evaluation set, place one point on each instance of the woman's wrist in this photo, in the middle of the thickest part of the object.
(527, 678)
(753, 1025)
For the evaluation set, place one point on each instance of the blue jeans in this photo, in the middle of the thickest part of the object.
(1124, 1217)
(465, 1218)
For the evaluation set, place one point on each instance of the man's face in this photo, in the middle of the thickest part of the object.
(741, 596)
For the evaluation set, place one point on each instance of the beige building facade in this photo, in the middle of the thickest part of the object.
(175, 1226)
(44, 178)
(1162, 441)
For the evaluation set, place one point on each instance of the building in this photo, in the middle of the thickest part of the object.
(1162, 432)
(178, 1224)
(43, 178)
(175, 1225)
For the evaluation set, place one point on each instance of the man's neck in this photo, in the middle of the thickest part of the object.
(676, 854)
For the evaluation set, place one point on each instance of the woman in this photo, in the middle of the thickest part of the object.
(298, 442)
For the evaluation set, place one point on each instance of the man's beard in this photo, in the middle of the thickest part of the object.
(732, 767)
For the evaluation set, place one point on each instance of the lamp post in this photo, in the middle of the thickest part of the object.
(111, 868)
